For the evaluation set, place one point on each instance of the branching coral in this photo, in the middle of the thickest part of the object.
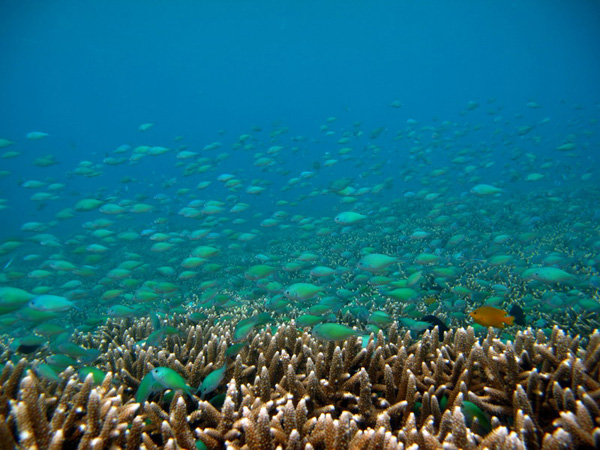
(289, 390)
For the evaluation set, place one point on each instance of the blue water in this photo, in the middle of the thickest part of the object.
(88, 73)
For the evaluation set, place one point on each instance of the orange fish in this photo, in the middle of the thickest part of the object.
(488, 316)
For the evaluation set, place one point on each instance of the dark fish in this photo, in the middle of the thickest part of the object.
(435, 321)
(27, 349)
(517, 312)
(27, 344)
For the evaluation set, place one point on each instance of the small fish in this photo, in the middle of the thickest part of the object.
(380, 318)
(517, 312)
(27, 344)
(47, 372)
(90, 356)
(97, 374)
(429, 300)
(476, 419)
(147, 386)
(334, 332)
(415, 325)
(170, 379)
(212, 381)
(376, 262)
(234, 349)
(301, 291)
(308, 320)
(349, 218)
(243, 330)
(488, 316)
(61, 361)
(51, 303)
(435, 321)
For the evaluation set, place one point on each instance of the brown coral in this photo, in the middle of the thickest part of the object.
(290, 391)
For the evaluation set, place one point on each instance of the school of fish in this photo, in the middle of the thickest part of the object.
(492, 224)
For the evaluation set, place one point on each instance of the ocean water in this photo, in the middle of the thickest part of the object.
(458, 139)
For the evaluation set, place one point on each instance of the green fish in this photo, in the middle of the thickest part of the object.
(212, 381)
(26, 344)
(197, 317)
(170, 379)
(380, 318)
(334, 332)
(319, 310)
(49, 329)
(234, 349)
(158, 379)
(51, 303)
(301, 291)
(403, 294)
(70, 349)
(34, 315)
(147, 386)
(259, 272)
(376, 262)
(416, 325)
(13, 298)
(97, 375)
(471, 412)
(348, 218)
(47, 371)
(548, 275)
(122, 311)
(308, 320)
(243, 330)
(61, 361)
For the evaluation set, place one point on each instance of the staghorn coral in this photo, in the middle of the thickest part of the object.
(288, 390)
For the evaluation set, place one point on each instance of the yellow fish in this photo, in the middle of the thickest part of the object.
(488, 316)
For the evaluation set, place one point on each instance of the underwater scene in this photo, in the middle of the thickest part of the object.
(299, 225)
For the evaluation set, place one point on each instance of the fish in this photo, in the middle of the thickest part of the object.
(97, 374)
(380, 318)
(517, 312)
(376, 262)
(484, 190)
(308, 320)
(243, 330)
(302, 291)
(415, 325)
(435, 321)
(27, 344)
(170, 379)
(488, 316)
(334, 332)
(548, 275)
(47, 372)
(147, 387)
(475, 418)
(51, 303)
(7, 265)
(234, 349)
(349, 218)
(212, 381)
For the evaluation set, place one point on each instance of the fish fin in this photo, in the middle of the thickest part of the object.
(510, 320)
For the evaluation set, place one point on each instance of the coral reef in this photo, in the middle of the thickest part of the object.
(288, 390)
